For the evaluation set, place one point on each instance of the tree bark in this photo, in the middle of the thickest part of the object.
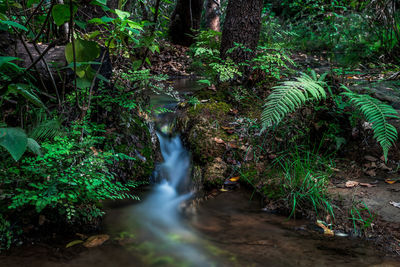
(212, 15)
(242, 25)
(185, 18)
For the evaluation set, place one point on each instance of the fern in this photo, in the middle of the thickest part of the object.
(291, 95)
(378, 114)
(47, 129)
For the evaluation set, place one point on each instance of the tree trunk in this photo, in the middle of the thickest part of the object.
(212, 15)
(242, 25)
(185, 18)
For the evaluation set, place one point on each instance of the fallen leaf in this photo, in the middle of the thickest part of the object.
(94, 151)
(327, 231)
(370, 158)
(73, 243)
(234, 179)
(227, 128)
(81, 235)
(223, 190)
(367, 185)
(95, 241)
(384, 167)
(232, 145)
(234, 111)
(212, 88)
(395, 204)
(391, 180)
(370, 173)
(219, 140)
(350, 184)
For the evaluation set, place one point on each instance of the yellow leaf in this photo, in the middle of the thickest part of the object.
(390, 181)
(327, 231)
(73, 243)
(234, 179)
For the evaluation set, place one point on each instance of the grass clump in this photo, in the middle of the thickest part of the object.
(305, 181)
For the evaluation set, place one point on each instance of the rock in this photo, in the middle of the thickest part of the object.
(215, 172)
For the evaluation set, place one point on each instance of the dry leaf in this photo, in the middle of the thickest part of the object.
(395, 204)
(350, 184)
(234, 179)
(94, 151)
(367, 185)
(370, 173)
(232, 145)
(219, 140)
(391, 181)
(370, 158)
(227, 128)
(96, 240)
(327, 231)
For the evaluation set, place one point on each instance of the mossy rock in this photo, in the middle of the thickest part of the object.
(210, 110)
(132, 138)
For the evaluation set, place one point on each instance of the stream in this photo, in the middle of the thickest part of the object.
(227, 229)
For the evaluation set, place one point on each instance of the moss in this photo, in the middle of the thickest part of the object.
(213, 109)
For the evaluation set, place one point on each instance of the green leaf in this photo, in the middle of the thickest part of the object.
(4, 60)
(14, 140)
(377, 113)
(81, 24)
(289, 96)
(34, 146)
(207, 82)
(73, 243)
(61, 13)
(85, 51)
(100, 2)
(14, 24)
(122, 14)
(24, 90)
(31, 2)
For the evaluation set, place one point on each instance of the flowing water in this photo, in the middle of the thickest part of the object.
(228, 229)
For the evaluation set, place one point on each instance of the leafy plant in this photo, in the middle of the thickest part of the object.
(378, 114)
(291, 95)
(358, 217)
(15, 141)
(305, 180)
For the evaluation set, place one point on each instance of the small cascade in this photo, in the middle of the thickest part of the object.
(160, 210)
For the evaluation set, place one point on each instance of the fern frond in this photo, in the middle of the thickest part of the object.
(291, 95)
(46, 130)
(377, 113)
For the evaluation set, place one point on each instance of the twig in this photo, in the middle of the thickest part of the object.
(34, 12)
(45, 22)
(30, 57)
(50, 74)
(152, 31)
(50, 46)
(71, 35)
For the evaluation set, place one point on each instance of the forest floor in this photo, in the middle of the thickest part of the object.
(364, 189)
